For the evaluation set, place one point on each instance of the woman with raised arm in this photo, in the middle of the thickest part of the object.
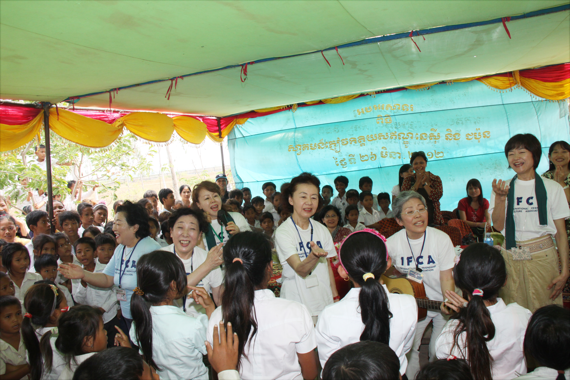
(530, 211)
(303, 246)
(131, 229)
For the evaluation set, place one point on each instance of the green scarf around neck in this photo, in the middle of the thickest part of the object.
(210, 238)
(541, 199)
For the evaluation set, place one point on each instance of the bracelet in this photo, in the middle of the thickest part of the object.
(336, 298)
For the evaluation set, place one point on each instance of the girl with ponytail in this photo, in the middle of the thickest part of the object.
(44, 305)
(171, 341)
(276, 336)
(368, 311)
(485, 331)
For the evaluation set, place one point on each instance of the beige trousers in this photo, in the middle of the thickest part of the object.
(527, 280)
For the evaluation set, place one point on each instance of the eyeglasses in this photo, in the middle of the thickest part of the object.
(419, 211)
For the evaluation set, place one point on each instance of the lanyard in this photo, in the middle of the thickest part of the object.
(221, 235)
(301, 239)
(121, 271)
(420, 255)
(191, 271)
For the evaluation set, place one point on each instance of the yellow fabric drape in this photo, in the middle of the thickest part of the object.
(500, 83)
(82, 130)
(190, 129)
(547, 90)
(421, 86)
(340, 99)
(261, 110)
(148, 126)
(14, 136)
(226, 131)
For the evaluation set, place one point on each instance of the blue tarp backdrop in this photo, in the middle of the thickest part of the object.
(462, 128)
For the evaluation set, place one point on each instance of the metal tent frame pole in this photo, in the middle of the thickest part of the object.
(46, 107)
(221, 145)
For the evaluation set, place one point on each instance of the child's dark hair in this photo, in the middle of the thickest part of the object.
(154, 221)
(481, 267)
(68, 215)
(328, 187)
(40, 302)
(33, 218)
(267, 184)
(525, 141)
(116, 363)
(364, 253)
(363, 181)
(165, 228)
(109, 229)
(341, 179)
(476, 184)
(59, 235)
(41, 240)
(266, 215)
(86, 240)
(150, 194)
(348, 209)
(257, 200)
(82, 206)
(244, 189)
(352, 193)
(547, 338)
(363, 195)
(2, 244)
(155, 272)
(74, 326)
(6, 216)
(382, 196)
(564, 145)
(248, 207)
(9, 251)
(365, 360)
(92, 230)
(235, 193)
(233, 202)
(44, 261)
(456, 369)
(164, 193)
(105, 238)
(6, 301)
(241, 280)
(287, 189)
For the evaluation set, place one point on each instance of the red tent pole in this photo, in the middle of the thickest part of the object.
(221, 144)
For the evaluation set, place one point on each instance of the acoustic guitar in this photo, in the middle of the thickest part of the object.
(397, 282)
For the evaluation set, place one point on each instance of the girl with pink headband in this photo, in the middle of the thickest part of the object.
(368, 311)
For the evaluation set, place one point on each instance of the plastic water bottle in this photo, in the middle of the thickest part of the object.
(488, 239)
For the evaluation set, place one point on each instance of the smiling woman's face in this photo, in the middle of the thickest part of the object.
(209, 202)
(124, 233)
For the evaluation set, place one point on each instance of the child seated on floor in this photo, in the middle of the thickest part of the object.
(384, 205)
(250, 215)
(368, 216)
(352, 222)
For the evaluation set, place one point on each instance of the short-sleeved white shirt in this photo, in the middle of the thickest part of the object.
(58, 363)
(396, 190)
(177, 343)
(239, 220)
(213, 279)
(367, 218)
(9, 355)
(527, 225)
(284, 329)
(340, 203)
(20, 291)
(506, 348)
(295, 287)
(438, 255)
(359, 226)
(543, 373)
(340, 324)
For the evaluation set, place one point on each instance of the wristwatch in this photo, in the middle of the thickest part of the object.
(426, 184)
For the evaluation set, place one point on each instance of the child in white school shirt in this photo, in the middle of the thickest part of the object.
(276, 336)
(171, 341)
(485, 332)
(368, 215)
(547, 341)
(368, 311)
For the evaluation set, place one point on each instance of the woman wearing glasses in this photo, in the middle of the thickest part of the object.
(427, 184)
(427, 256)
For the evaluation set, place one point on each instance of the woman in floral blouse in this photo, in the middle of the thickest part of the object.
(559, 156)
(427, 184)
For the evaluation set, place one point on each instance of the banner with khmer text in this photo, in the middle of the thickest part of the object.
(462, 128)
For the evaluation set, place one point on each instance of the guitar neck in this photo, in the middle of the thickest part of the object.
(428, 304)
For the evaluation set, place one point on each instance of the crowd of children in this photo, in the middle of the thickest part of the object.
(189, 279)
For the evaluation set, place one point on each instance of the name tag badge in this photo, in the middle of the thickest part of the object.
(416, 276)
(121, 295)
(311, 281)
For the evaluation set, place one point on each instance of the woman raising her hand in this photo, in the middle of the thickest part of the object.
(426, 184)
(303, 246)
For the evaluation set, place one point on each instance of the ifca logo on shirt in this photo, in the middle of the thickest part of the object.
(309, 246)
(420, 260)
(529, 201)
